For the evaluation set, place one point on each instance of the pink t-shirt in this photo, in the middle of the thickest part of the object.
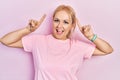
(56, 59)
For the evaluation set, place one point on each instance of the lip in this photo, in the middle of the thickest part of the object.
(59, 31)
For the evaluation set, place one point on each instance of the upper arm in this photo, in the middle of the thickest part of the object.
(17, 44)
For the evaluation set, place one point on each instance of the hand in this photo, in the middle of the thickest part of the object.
(86, 30)
(34, 24)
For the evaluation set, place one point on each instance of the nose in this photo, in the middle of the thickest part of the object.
(60, 24)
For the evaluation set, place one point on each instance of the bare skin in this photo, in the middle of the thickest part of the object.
(102, 47)
(16, 41)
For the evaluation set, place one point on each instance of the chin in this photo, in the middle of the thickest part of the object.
(61, 37)
(58, 36)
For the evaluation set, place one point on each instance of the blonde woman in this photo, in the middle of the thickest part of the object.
(56, 56)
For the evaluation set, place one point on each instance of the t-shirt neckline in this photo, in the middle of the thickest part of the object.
(61, 41)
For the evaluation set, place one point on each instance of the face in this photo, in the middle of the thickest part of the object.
(62, 25)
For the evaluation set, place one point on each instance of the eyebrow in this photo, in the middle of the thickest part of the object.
(64, 19)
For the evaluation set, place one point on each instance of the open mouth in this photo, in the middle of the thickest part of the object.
(59, 31)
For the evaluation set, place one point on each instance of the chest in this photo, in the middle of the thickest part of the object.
(64, 57)
(57, 56)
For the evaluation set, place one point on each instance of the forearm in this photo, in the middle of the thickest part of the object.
(103, 45)
(14, 36)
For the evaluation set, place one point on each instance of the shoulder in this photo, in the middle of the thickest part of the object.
(35, 36)
(81, 43)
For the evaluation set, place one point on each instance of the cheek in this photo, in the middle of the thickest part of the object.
(54, 25)
(67, 28)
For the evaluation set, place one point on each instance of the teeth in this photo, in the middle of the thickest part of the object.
(59, 31)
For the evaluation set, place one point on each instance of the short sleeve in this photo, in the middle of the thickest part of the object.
(28, 42)
(86, 48)
(89, 51)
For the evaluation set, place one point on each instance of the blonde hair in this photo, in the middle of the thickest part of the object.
(70, 11)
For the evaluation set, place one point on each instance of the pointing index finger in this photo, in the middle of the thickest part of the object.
(41, 19)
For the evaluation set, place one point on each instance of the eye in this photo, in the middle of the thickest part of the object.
(66, 22)
(56, 20)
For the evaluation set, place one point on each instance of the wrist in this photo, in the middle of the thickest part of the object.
(28, 28)
(90, 37)
(93, 38)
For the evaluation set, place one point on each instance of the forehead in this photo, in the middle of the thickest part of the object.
(62, 15)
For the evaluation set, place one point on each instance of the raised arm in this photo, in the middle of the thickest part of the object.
(13, 39)
(102, 47)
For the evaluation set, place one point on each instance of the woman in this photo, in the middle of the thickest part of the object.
(57, 56)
